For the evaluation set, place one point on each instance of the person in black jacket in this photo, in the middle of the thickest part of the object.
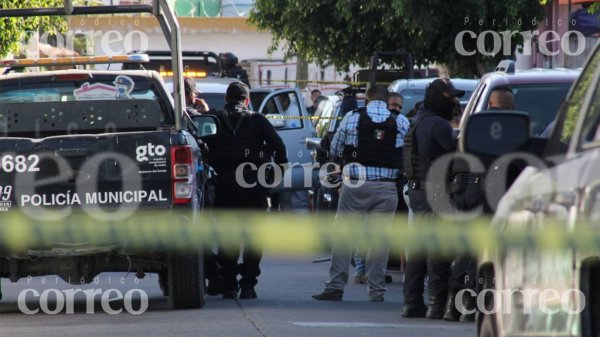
(467, 193)
(430, 137)
(247, 140)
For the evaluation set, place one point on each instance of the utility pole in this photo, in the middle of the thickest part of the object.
(301, 72)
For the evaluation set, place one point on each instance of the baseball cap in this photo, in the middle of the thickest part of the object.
(446, 86)
(237, 91)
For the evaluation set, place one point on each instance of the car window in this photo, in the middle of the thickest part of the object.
(410, 98)
(540, 100)
(326, 112)
(413, 96)
(567, 123)
(590, 131)
(285, 106)
(256, 98)
(334, 122)
(214, 100)
(474, 101)
(41, 107)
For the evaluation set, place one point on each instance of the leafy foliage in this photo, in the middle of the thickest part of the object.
(14, 31)
(337, 31)
(344, 32)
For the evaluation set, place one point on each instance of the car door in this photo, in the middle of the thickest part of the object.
(558, 197)
(585, 149)
(286, 111)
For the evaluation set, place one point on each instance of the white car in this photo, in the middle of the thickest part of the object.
(549, 292)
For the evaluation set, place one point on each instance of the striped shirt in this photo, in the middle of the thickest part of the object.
(347, 134)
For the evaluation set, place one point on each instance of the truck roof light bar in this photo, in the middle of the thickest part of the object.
(74, 60)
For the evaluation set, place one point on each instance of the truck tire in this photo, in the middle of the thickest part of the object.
(185, 281)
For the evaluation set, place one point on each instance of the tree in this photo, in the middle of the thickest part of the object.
(345, 32)
(328, 30)
(488, 20)
(15, 31)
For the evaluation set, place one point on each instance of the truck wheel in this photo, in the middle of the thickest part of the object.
(185, 281)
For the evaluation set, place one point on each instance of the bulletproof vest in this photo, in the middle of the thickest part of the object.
(411, 152)
(376, 143)
(240, 140)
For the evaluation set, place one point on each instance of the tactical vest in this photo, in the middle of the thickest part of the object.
(238, 143)
(411, 152)
(376, 143)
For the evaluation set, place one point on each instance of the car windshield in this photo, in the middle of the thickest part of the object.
(567, 122)
(413, 96)
(214, 100)
(540, 100)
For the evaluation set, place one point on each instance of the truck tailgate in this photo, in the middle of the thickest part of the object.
(129, 169)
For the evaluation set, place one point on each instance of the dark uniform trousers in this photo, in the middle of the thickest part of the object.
(464, 274)
(419, 266)
(230, 196)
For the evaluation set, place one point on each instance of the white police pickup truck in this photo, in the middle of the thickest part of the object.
(107, 143)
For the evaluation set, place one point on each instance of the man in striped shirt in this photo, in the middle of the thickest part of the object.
(370, 141)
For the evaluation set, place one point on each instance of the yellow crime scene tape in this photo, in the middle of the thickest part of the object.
(301, 117)
(283, 233)
(356, 84)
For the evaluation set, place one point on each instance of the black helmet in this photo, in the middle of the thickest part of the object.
(440, 96)
(228, 60)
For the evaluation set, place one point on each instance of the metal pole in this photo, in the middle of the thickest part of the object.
(177, 64)
(68, 7)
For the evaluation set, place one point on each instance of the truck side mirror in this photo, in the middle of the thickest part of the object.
(206, 125)
(313, 143)
(494, 133)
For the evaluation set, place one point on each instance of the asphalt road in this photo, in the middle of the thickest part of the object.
(284, 308)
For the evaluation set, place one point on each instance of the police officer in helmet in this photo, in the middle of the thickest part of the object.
(231, 68)
(430, 136)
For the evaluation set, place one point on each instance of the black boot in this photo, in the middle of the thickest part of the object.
(215, 286)
(436, 308)
(451, 312)
(247, 293)
(410, 310)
